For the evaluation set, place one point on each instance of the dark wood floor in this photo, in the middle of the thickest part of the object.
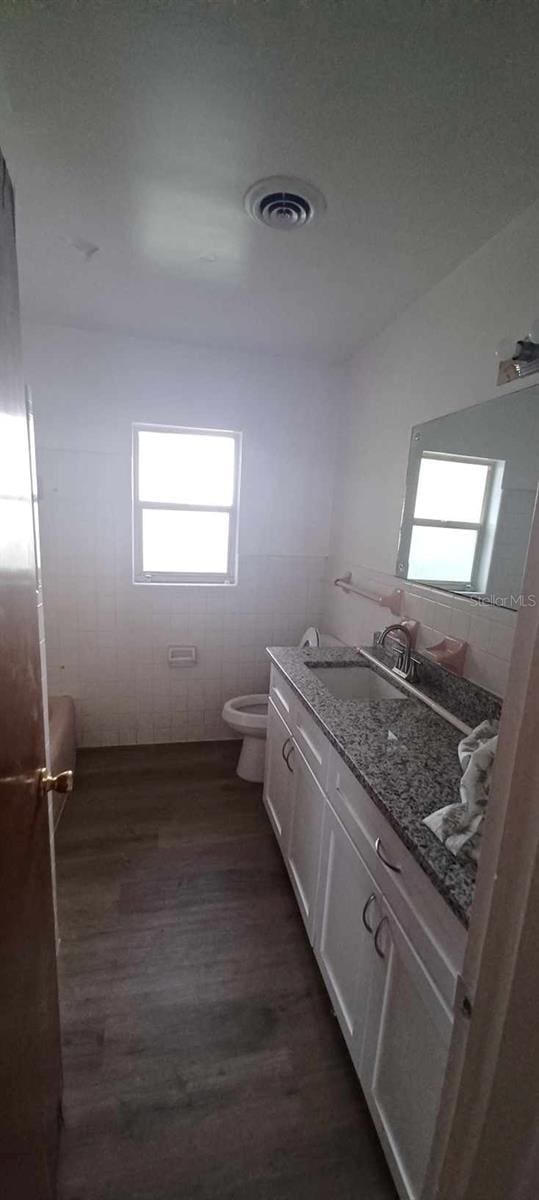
(201, 1057)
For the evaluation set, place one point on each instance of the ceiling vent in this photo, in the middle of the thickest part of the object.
(283, 202)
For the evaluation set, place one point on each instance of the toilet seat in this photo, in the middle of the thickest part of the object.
(248, 714)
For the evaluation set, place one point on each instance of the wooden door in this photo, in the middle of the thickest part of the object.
(278, 775)
(348, 910)
(30, 1072)
(305, 836)
(405, 1052)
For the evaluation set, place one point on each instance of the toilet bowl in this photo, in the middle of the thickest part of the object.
(248, 717)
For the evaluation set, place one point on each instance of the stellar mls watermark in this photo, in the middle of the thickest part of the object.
(522, 600)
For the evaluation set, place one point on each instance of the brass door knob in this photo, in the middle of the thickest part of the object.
(63, 782)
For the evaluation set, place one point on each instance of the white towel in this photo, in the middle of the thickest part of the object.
(459, 826)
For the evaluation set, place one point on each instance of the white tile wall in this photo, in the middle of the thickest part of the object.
(438, 356)
(488, 630)
(107, 638)
(110, 649)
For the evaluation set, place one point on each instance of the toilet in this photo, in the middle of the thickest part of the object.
(248, 717)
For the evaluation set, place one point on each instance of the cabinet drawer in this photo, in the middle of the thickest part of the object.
(283, 697)
(313, 744)
(437, 934)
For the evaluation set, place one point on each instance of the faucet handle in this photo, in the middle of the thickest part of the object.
(415, 664)
(400, 653)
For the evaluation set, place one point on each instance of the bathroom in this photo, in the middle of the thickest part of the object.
(208, 1045)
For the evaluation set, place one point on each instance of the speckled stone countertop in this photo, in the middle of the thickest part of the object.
(466, 700)
(403, 754)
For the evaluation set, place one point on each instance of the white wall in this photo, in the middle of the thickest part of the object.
(437, 357)
(107, 639)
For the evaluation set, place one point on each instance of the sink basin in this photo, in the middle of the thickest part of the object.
(356, 683)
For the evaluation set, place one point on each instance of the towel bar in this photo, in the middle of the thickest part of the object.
(393, 600)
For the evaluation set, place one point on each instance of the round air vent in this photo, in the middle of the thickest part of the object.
(283, 209)
(283, 203)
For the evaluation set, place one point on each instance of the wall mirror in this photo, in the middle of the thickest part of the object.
(470, 494)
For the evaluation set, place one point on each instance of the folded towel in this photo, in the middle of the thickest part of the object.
(459, 826)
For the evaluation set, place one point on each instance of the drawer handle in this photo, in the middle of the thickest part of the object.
(379, 952)
(380, 852)
(366, 907)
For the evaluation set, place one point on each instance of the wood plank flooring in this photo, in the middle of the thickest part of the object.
(201, 1057)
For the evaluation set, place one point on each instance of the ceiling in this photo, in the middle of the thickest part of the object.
(138, 125)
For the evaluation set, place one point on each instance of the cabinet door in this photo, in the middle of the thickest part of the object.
(348, 909)
(278, 775)
(305, 836)
(404, 1055)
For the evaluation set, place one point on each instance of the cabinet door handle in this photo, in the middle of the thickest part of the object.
(286, 753)
(366, 907)
(379, 952)
(380, 852)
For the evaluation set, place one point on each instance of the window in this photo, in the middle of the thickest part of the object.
(445, 535)
(185, 505)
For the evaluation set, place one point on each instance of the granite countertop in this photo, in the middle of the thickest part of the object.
(404, 755)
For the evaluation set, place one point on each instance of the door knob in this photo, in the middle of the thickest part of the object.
(63, 782)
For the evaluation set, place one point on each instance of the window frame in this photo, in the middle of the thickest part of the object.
(228, 578)
(410, 521)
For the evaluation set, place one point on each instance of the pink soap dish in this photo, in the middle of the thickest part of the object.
(449, 653)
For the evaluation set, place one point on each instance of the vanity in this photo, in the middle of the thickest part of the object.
(357, 758)
(354, 762)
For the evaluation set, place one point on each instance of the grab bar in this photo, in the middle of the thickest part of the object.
(393, 600)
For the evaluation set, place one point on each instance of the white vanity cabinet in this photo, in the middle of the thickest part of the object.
(436, 934)
(302, 853)
(405, 1047)
(349, 908)
(295, 803)
(388, 947)
(278, 774)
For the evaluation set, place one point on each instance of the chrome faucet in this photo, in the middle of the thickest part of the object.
(405, 662)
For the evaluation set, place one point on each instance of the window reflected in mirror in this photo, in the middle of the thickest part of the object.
(470, 494)
(447, 543)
